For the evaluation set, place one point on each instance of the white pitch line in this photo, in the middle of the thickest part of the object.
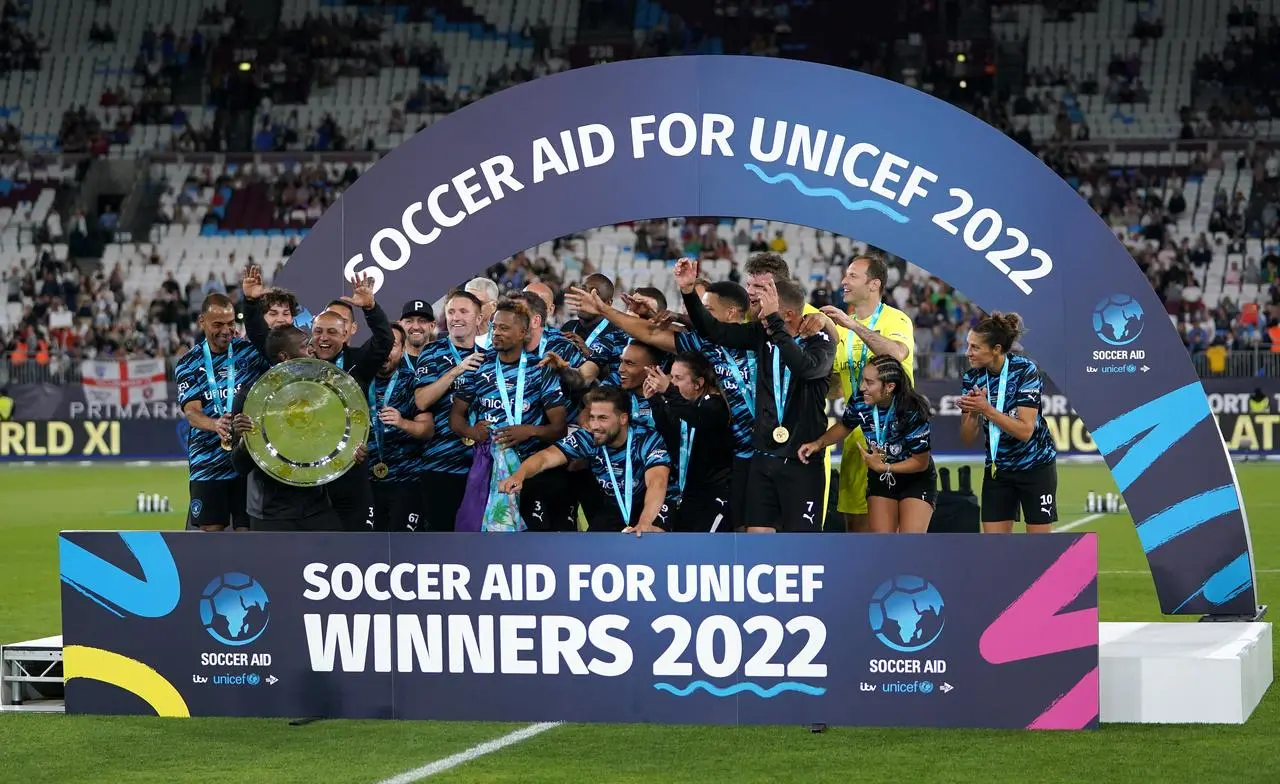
(475, 752)
(1077, 523)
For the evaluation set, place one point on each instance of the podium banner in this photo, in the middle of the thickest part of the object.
(670, 628)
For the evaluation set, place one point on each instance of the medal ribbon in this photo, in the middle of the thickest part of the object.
(744, 384)
(687, 435)
(862, 362)
(623, 497)
(375, 408)
(221, 405)
(781, 384)
(880, 433)
(993, 432)
(595, 333)
(513, 417)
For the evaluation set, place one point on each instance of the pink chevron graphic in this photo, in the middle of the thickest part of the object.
(1073, 710)
(1032, 627)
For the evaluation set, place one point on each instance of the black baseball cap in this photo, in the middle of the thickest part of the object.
(418, 307)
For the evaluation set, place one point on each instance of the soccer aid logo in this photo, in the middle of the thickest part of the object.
(234, 609)
(906, 613)
(1118, 320)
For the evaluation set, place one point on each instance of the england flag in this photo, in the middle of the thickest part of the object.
(123, 382)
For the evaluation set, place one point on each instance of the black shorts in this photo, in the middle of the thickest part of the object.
(546, 503)
(218, 502)
(584, 492)
(786, 495)
(706, 510)
(352, 498)
(738, 492)
(441, 494)
(922, 485)
(1034, 490)
(397, 506)
(607, 517)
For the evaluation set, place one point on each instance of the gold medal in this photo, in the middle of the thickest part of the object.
(993, 471)
(468, 442)
(380, 470)
(781, 434)
(225, 443)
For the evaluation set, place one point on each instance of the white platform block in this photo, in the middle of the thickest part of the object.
(1183, 673)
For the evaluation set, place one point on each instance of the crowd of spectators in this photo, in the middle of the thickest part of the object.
(76, 313)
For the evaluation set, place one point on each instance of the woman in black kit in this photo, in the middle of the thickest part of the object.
(691, 414)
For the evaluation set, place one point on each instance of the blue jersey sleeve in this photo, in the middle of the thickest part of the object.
(654, 451)
(915, 435)
(552, 394)
(190, 377)
(969, 382)
(689, 341)
(1030, 386)
(578, 445)
(852, 416)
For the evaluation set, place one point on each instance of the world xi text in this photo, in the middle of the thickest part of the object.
(717, 646)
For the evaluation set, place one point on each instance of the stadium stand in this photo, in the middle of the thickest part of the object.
(163, 146)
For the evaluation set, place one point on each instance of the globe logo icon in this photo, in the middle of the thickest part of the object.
(906, 613)
(234, 609)
(1118, 320)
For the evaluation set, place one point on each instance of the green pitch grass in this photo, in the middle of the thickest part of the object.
(35, 503)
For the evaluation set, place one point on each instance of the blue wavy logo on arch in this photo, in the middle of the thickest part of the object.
(1118, 320)
(234, 609)
(907, 613)
(833, 193)
(739, 688)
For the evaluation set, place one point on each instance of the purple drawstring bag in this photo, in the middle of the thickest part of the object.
(471, 513)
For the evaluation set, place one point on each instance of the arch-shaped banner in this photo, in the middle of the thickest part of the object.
(848, 153)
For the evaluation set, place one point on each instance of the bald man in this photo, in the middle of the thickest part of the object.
(543, 292)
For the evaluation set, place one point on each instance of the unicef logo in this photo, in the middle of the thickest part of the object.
(1118, 320)
(906, 613)
(234, 609)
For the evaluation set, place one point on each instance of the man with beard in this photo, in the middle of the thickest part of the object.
(447, 458)
(209, 377)
(519, 405)
(783, 494)
(629, 461)
(419, 322)
(350, 493)
(735, 369)
(599, 340)
(396, 435)
(273, 505)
